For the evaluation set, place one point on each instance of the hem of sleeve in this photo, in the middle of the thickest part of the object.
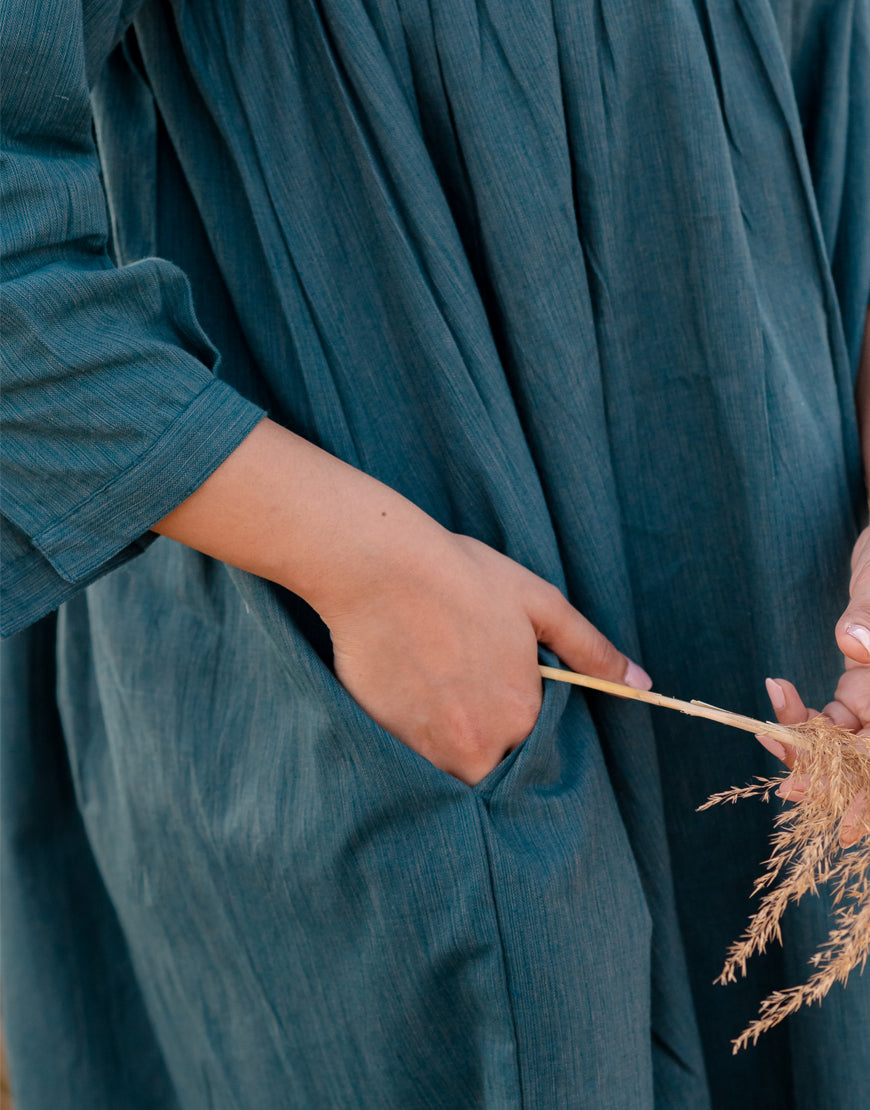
(31, 588)
(209, 429)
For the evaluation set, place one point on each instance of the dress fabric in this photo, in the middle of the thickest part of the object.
(585, 280)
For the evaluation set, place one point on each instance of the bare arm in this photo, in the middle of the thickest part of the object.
(435, 635)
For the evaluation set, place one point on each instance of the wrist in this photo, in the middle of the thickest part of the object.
(380, 544)
(285, 510)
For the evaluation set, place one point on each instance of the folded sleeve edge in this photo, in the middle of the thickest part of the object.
(208, 429)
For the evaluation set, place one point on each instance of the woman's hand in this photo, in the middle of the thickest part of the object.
(435, 635)
(443, 651)
(850, 707)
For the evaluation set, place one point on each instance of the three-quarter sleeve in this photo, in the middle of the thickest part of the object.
(111, 411)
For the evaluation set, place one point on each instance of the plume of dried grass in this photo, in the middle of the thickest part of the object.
(806, 853)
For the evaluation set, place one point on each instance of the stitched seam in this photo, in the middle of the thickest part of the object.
(502, 950)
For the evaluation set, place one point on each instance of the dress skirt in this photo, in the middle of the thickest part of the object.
(587, 281)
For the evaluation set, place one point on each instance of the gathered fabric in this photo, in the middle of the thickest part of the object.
(584, 280)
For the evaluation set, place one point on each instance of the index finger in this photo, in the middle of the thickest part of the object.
(790, 710)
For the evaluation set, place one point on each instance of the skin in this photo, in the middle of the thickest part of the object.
(850, 706)
(434, 634)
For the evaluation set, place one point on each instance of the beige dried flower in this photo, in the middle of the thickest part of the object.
(806, 853)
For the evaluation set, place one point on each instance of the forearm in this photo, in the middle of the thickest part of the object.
(435, 635)
(285, 510)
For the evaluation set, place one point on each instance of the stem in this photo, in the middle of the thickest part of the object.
(694, 708)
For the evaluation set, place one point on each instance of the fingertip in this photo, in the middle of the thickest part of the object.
(854, 641)
(776, 694)
(786, 701)
(636, 677)
(841, 715)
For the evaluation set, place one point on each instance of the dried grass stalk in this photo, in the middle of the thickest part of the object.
(694, 708)
(806, 853)
(805, 848)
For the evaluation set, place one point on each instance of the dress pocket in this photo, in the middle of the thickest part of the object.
(396, 758)
(339, 732)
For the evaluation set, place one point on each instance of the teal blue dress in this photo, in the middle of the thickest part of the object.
(585, 279)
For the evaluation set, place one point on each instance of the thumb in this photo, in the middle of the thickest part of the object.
(853, 628)
(580, 645)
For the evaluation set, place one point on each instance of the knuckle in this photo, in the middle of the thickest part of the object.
(602, 655)
(550, 608)
(854, 694)
(553, 595)
(559, 607)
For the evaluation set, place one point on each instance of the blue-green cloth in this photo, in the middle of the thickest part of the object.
(585, 279)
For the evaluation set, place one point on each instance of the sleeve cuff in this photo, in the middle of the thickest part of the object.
(209, 429)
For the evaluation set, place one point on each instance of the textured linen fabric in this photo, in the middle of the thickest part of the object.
(111, 414)
(584, 280)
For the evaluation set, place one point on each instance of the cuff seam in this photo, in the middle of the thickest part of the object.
(175, 465)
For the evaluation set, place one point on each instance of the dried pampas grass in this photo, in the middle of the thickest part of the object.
(834, 766)
(834, 769)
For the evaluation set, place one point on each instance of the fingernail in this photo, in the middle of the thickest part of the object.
(775, 693)
(637, 677)
(859, 633)
(773, 746)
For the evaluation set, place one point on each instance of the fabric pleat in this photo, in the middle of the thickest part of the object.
(587, 282)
